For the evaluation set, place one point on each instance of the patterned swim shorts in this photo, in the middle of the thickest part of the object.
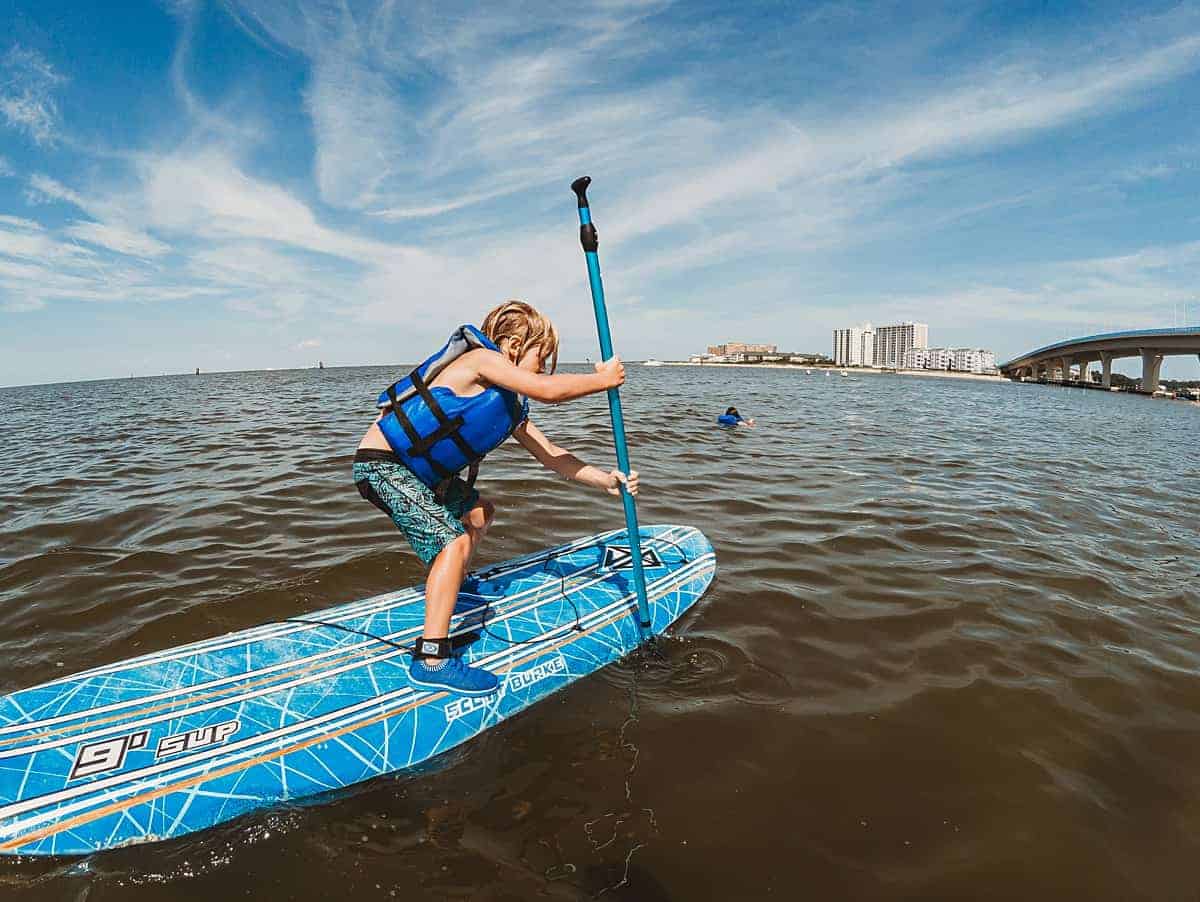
(428, 524)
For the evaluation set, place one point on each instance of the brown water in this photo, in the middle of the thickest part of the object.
(952, 650)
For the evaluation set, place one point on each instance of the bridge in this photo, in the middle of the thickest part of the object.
(1054, 363)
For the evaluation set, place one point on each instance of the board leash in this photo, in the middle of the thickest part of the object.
(466, 639)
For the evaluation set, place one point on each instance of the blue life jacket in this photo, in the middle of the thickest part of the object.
(728, 419)
(436, 433)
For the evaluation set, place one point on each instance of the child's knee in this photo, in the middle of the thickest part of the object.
(481, 515)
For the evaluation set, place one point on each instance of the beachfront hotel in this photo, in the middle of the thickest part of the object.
(893, 342)
(962, 360)
(884, 346)
(854, 346)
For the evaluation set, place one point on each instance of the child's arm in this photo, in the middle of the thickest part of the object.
(566, 464)
(496, 369)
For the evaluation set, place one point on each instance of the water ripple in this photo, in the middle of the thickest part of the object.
(952, 650)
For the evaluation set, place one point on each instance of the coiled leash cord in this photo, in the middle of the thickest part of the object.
(461, 641)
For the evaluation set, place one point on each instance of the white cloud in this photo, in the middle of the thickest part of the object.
(360, 124)
(308, 344)
(117, 238)
(27, 240)
(205, 194)
(40, 266)
(497, 97)
(1134, 290)
(6, 168)
(27, 83)
(996, 109)
(43, 189)
(1150, 173)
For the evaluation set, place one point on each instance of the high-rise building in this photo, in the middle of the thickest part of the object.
(854, 346)
(892, 342)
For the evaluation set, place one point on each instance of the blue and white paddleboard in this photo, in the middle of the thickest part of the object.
(179, 740)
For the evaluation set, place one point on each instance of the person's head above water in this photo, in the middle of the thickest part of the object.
(518, 328)
(732, 412)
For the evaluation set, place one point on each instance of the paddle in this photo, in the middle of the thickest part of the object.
(590, 241)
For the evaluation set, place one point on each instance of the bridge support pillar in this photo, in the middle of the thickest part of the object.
(1083, 370)
(1065, 364)
(1106, 365)
(1151, 367)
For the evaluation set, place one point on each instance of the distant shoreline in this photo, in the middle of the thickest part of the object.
(851, 370)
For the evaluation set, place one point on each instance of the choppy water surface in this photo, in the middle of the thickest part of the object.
(952, 650)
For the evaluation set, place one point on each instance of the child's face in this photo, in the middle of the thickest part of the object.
(532, 360)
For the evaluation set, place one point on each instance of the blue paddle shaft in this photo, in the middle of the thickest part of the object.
(588, 236)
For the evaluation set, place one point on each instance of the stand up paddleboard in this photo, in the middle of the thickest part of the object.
(179, 740)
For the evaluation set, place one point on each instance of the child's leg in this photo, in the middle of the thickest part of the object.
(445, 538)
(449, 569)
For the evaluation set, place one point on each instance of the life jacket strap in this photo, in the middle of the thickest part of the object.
(448, 427)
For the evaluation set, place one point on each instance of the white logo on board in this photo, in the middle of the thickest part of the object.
(518, 680)
(108, 754)
(620, 557)
(196, 739)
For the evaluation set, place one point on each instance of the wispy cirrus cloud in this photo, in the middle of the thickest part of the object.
(39, 266)
(1064, 298)
(116, 238)
(27, 85)
(43, 189)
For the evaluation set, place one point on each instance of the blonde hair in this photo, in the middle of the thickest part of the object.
(527, 326)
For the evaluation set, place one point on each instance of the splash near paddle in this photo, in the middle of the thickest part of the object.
(176, 741)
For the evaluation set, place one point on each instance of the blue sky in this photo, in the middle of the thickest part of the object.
(243, 185)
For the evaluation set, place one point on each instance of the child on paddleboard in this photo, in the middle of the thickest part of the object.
(442, 418)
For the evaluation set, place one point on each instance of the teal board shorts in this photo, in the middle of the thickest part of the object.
(428, 522)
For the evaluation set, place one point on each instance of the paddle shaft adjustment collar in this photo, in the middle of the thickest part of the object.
(588, 236)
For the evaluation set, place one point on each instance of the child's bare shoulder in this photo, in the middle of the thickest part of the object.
(463, 372)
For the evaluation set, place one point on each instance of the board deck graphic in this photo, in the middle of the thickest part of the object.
(178, 740)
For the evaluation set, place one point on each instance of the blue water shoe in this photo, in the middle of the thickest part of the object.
(454, 675)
